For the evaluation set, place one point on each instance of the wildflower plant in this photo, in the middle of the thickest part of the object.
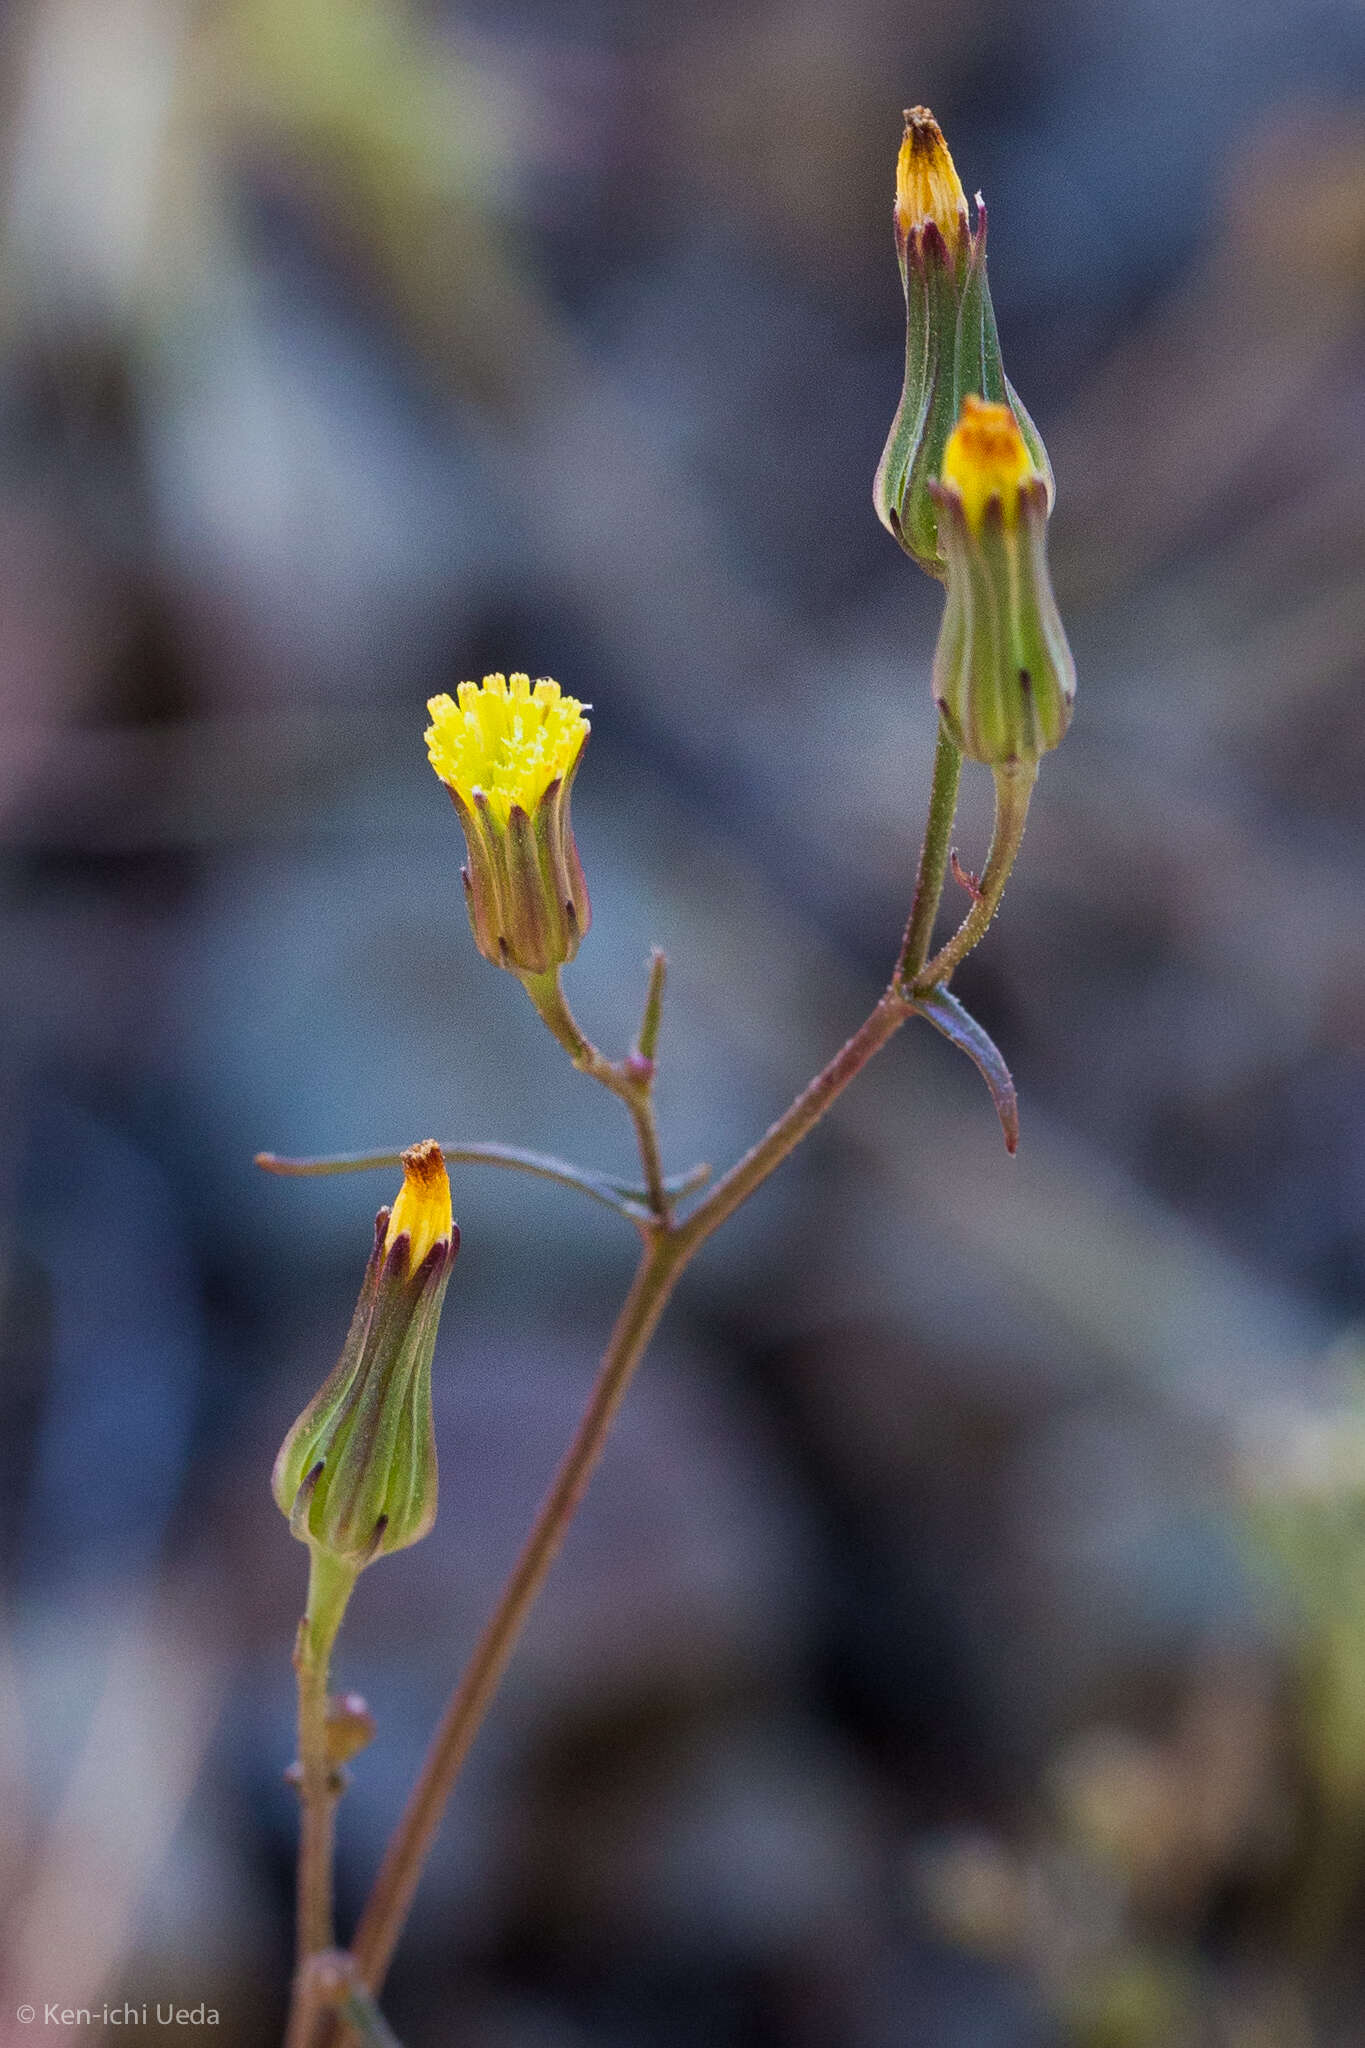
(965, 487)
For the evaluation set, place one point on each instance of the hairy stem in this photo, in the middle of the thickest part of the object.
(933, 858)
(329, 1588)
(1013, 794)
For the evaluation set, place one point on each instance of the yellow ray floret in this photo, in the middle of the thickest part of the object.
(505, 737)
(423, 1204)
(927, 185)
(986, 458)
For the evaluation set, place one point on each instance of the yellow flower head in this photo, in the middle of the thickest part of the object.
(928, 189)
(506, 738)
(986, 458)
(423, 1204)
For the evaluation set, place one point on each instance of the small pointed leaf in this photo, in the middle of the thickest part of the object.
(961, 1029)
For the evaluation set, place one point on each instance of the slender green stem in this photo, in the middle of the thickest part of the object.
(552, 1007)
(668, 1250)
(933, 858)
(329, 1589)
(387, 1908)
(1013, 793)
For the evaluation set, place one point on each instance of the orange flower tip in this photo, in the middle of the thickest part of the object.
(986, 461)
(929, 193)
(423, 1205)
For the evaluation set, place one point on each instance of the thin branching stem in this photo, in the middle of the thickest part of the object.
(668, 1250)
(669, 1246)
(631, 1078)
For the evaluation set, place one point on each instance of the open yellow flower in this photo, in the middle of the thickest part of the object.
(507, 750)
(506, 737)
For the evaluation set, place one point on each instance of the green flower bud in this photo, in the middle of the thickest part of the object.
(952, 347)
(1004, 679)
(356, 1475)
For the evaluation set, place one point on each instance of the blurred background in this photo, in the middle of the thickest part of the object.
(964, 1642)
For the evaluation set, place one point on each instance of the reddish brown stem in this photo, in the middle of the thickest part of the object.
(668, 1249)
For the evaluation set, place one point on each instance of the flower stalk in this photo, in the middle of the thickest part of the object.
(933, 860)
(330, 1584)
(356, 1477)
(1014, 786)
(632, 1079)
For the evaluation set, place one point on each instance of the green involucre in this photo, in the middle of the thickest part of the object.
(356, 1475)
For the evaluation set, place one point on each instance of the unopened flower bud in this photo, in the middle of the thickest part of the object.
(507, 751)
(356, 1475)
(1004, 679)
(952, 348)
(931, 206)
